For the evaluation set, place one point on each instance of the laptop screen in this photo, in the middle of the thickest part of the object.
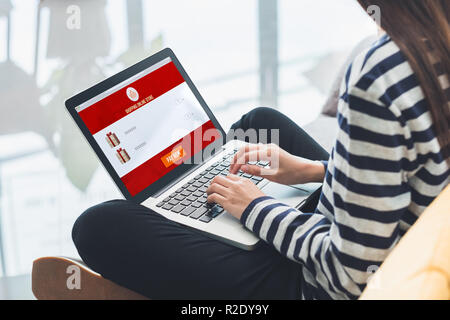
(148, 125)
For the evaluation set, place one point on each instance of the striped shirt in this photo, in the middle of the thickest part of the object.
(385, 168)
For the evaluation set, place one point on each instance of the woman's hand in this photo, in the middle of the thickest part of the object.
(233, 193)
(285, 168)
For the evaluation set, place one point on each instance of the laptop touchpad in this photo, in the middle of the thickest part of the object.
(290, 195)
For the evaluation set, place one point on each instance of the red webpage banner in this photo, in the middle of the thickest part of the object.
(118, 105)
(168, 159)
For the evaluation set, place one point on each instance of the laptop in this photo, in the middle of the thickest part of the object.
(162, 146)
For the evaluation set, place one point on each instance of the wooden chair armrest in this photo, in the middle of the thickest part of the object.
(61, 278)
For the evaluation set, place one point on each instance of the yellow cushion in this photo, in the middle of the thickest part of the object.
(419, 266)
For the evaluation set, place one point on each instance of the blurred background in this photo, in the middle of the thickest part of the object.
(283, 54)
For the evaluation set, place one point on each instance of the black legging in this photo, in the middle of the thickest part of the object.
(145, 252)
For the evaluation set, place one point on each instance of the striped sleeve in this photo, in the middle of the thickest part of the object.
(364, 195)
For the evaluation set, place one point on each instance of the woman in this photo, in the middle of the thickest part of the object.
(390, 160)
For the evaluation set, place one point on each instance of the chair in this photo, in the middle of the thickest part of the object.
(50, 277)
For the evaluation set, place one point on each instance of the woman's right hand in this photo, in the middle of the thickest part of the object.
(284, 167)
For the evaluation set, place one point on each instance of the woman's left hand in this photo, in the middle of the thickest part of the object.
(233, 193)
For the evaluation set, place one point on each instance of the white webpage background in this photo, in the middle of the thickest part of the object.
(158, 124)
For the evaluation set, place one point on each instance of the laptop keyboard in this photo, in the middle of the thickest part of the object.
(191, 199)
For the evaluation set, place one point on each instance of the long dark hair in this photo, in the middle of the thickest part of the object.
(421, 28)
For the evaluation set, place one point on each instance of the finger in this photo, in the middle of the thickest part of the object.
(257, 170)
(240, 158)
(248, 147)
(252, 169)
(254, 155)
(233, 178)
(222, 181)
(216, 198)
(217, 188)
(240, 151)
